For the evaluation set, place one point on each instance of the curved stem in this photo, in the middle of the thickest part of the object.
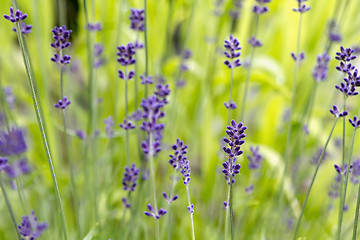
(313, 179)
(191, 214)
(41, 124)
(8, 204)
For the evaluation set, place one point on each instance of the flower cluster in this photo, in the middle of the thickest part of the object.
(15, 17)
(126, 58)
(18, 168)
(146, 79)
(30, 228)
(321, 69)
(254, 159)
(254, 42)
(12, 142)
(95, 27)
(109, 124)
(232, 51)
(98, 51)
(127, 125)
(334, 111)
(230, 105)
(9, 97)
(185, 172)
(25, 29)
(152, 212)
(178, 158)
(355, 172)
(261, 9)
(129, 180)
(3, 163)
(62, 104)
(301, 7)
(299, 58)
(61, 41)
(137, 19)
(235, 137)
(345, 56)
(342, 171)
(334, 35)
(355, 122)
(170, 199)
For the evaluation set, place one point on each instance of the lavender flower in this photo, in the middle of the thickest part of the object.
(162, 91)
(25, 29)
(17, 168)
(95, 27)
(316, 157)
(355, 172)
(125, 203)
(338, 114)
(190, 208)
(355, 122)
(126, 58)
(30, 228)
(232, 51)
(109, 124)
(81, 134)
(127, 125)
(230, 105)
(235, 134)
(301, 7)
(299, 58)
(168, 199)
(321, 69)
(62, 104)
(341, 171)
(98, 59)
(185, 171)
(178, 158)
(3, 163)
(335, 187)
(249, 189)
(9, 97)
(146, 79)
(137, 19)
(152, 213)
(136, 115)
(15, 17)
(254, 159)
(345, 56)
(61, 41)
(254, 42)
(12, 143)
(129, 180)
(186, 56)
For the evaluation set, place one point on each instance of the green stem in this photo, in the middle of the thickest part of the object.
(169, 212)
(342, 190)
(230, 95)
(126, 118)
(356, 214)
(313, 179)
(153, 185)
(288, 138)
(41, 124)
(248, 73)
(227, 215)
(191, 214)
(231, 206)
(8, 204)
(146, 46)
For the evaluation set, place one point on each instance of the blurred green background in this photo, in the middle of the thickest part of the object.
(198, 116)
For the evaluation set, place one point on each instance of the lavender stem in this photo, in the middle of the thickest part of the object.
(313, 179)
(146, 46)
(191, 214)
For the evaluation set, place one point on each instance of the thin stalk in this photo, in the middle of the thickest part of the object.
(356, 214)
(248, 73)
(136, 77)
(342, 194)
(231, 206)
(21, 196)
(168, 32)
(153, 185)
(126, 117)
(227, 216)
(169, 212)
(146, 46)
(313, 179)
(288, 138)
(191, 214)
(8, 204)
(41, 124)
(231, 93)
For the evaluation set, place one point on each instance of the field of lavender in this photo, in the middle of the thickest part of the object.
(187, 119)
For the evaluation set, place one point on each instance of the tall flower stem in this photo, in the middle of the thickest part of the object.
(313, 179)
(342, 190)
(356, 214)
(288, 138)
(231, 206)
(126, 117)
(248, 73)
(153, 185)
(191, 214)
(41, 124)
(169, 212)
(8, 204)
(230, 94)
(227, 216)
(146, 46)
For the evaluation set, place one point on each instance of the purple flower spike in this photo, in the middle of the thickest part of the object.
(249, 189)
(301, 7)
(125, 203)
(254, 159)
(152, 213)
(355, 122)
(126, 55)
(341, 171)
(254, 42)
(190, 209)
(137, 19)
(64, 60)
(146, 79)
(178, 159)
(17, 168)
(321, 69)
(355, 172)
(12, 142)
(129, 180)
(230, 105)
(61, 37)
(259, 10)
(336, 112)
(127, 125)
(3, 163)
(17, 17)
(299, 58)
(109, 124)
(30, 228)
(95, 27)
(80, 133)
(24, 28)
(235, 134)
(232, 51)
(62, 103)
